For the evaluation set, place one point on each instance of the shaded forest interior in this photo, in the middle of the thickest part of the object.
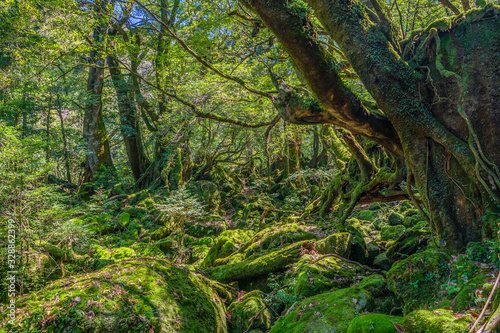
(250, 166)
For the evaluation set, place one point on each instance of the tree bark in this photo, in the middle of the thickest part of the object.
(430, 115)
(94, 131)
(130, 128)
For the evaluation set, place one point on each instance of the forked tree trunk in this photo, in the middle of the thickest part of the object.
(439, 91)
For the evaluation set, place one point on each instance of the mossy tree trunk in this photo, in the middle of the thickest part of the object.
(94, 131)
(439, 96)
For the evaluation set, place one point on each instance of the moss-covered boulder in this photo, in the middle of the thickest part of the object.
(249, 313)
(388, 232)
(260, 266)
(478, 251)
(327, 312)
(366, 215)
(225, 244)
(141, 295)
(418, 278)
(381, 261)
(308, 278)
(473, 293)
(339, 243)
(435, 321)
(273, 238)
(407, 244)
(463, 270)
(395, 219)
(374, 322)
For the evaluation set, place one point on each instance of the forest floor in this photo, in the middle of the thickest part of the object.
(227, 257)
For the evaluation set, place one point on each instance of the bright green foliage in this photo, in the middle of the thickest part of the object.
(473, 294)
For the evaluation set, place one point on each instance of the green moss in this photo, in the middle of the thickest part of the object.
(436, 321)
(260, 265)
(477, 251)
(392, 232)
(116, 254)
(249, 313)
(374, 323)
(339, 243)
(134, 296)
(226, 243)
(474, 290)
(395, 218)
(327, 312)
(124, 219)
(463, 270)
(366, 215)
(308, 279)
(418, 278)
(407, 244)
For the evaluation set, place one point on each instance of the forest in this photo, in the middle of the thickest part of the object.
(250, 166)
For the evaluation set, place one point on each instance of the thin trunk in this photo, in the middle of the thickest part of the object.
(47, 132)
(65, 142)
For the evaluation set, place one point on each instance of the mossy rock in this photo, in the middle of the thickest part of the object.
(339, 243)
(381, 261)
(327, 312)
(307, 279)
(260, 266)
(358, 244)
(395, 219)
(418, 278)
(249, 313)
(374, 323)
(476, 288)
(435, 321)
(388, 233)
(366, 215)
(477, 251)
(115, 254)
(225, 244)
(202, 229)
(407, 244)
(463, 270)
(141, 295)
(273, 238)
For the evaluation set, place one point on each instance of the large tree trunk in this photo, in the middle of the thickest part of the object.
(128, 119)
(441, 100)
(94, 131)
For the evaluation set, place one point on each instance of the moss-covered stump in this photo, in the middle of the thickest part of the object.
(418, 278)
(407, 244)
(435, 321)
(339, 243)
(226, 243)
(259, 266)
(142, 295)
(327, 312)
(388, 233)
(374, 322)
(249, 313)
(308, 278)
